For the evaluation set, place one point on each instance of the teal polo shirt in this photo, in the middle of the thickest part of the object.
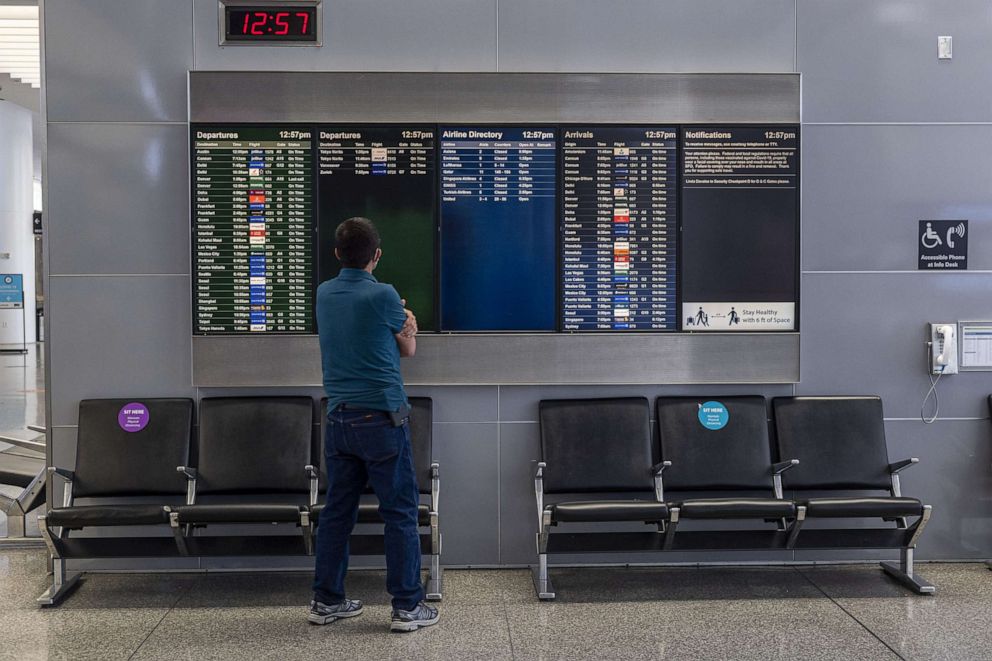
(357, 319)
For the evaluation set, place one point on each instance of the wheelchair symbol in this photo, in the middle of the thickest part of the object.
(930, 239)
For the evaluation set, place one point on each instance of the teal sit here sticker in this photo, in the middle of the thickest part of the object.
(713, 415)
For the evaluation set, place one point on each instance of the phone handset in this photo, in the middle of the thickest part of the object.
(944, 349)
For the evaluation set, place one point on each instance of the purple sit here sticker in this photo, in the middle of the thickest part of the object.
(133, 417)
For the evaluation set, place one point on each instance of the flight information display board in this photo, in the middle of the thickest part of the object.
(740, 224)
(252, 215)
(498, 218)
(619, 228)
(386, 174)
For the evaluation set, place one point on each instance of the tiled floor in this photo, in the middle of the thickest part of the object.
(838, 612)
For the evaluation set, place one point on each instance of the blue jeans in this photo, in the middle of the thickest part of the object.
(361, 448)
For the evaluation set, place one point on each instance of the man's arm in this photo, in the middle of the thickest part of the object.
(401, 322)
(407, 345)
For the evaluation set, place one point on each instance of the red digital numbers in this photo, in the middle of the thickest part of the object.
(270, 23)
(282, 25)
(261, 18)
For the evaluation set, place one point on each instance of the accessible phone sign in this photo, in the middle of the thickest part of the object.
(943, 245)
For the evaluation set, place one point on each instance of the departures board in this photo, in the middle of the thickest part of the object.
(502, 228)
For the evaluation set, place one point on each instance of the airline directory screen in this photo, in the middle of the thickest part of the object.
(386, 174)
(619, 228)
(502, 228)
(498, 211)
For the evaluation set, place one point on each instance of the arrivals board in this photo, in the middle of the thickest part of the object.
(498, 216)
(740, 228)
(386, 174)
(252, 234)
(619, 228)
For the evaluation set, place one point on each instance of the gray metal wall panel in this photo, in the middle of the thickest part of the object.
(117, 60)
(117, 337)
(519, 451)
(119, 199)
(468, 454)
(954, 477)
(865, 188)
(226, 96)
(646, 35)
(460, 403)
(877, 61)
(866, 334)
(386, 35)
(550, 358)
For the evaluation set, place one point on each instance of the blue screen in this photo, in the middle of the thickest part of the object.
(498, 228)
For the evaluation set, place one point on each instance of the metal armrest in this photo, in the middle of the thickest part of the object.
(782, 466)
(37, 428)
(777, 470)
(539, 493)
(36, 446)
(66, 475)
(190, 474)
(659, 485)
(897, 466)
(435, 485)
(62, 472)
(312, 476)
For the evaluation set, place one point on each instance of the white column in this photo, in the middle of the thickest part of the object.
(16, 207)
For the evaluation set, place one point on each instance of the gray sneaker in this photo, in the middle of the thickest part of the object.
(422, 615)
(324, 614)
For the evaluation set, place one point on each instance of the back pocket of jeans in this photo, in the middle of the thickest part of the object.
(376, 441)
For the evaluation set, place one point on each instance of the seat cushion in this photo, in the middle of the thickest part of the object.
(736, 508)
(609, 510)
(369, 513)
(883, 506)
(239, 513)
(107, 515)
(18, 469)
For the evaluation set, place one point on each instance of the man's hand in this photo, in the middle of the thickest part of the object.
(410, 326)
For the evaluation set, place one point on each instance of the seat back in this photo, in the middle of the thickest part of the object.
(421, 441)
(839, 442)
(126, 453)
(595, 445)
(736, 456)
(255, 444)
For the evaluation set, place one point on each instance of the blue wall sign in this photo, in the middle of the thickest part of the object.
(713, 415)
(11, 290)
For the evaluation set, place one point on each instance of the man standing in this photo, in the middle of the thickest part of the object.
(364, 330)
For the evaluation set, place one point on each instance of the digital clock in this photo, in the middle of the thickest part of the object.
(295, 23)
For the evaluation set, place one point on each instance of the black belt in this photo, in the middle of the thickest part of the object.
(397, 417)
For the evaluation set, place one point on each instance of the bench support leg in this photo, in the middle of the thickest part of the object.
(435, 576)
(542, 582)
(903, 572)
(61, 585)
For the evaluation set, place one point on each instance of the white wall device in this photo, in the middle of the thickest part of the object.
(943, 349)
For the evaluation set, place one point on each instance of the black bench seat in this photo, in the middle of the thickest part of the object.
(84, 516)
(238, 513)
(736, 508)
(866, 506)
(369, 513)
(647, 511)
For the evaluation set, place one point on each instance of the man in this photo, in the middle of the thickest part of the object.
(364, 330)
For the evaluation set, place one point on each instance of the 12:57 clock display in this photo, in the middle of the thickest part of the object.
(270, 23)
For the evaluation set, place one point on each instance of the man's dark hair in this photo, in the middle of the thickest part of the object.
(356, 240)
